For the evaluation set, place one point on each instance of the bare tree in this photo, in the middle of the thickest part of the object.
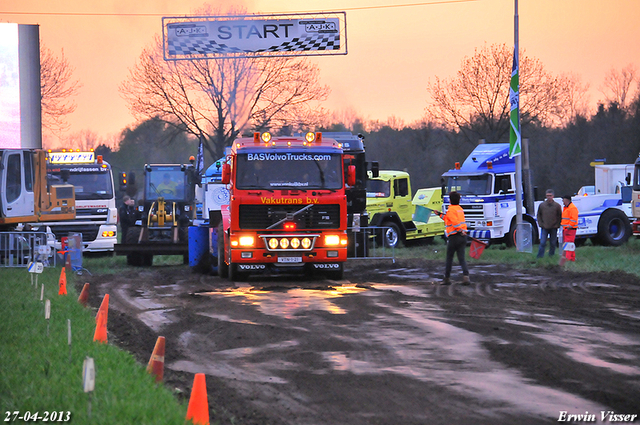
(220, 98)
(56, 89)
(618, 84)
(476, 100)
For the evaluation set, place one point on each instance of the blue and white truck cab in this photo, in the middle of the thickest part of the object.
(486, 181)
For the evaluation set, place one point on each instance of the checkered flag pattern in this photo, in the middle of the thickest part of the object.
(198, 46)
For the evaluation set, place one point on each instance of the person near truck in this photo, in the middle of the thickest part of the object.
(549, 219)
(569, 226)
(456, 233)
(167, 187)
(127, 215)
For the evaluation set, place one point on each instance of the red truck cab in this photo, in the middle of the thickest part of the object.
(287, 206)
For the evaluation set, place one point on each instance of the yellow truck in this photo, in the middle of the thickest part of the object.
(402, 217)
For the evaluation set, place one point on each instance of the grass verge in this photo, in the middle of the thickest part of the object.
(39, 373)
(589, 258)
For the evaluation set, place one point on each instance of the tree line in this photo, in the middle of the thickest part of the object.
(179, 103)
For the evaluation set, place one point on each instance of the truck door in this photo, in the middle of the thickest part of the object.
(17, 201)
(402, 199)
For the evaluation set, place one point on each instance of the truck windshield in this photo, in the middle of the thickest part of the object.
(166, 182)
(378, 189)
(470, 185)
(89, 183)
(289, 170)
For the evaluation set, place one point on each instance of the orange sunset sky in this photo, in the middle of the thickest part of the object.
(394, 47)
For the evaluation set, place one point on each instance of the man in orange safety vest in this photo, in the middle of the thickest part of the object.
(569, 228)
(456, 232)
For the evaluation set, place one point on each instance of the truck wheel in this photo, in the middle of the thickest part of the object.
(147, 260)
(614, 228)
(223, 268)
(511, 236)
(234, 274)
(390, 234)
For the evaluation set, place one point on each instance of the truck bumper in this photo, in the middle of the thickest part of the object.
(102, 242)
(288, 258)
(635, 226)
(481, 234)
(151, 248)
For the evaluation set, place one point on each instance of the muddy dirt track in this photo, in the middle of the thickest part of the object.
(388, 345)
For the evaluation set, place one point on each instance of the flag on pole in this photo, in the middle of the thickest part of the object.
(200, 158)
(514, 99)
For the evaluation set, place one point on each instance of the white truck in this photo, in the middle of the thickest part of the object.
(96, 213)
(486, 181)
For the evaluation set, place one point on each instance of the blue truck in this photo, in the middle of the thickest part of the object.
(486, 180)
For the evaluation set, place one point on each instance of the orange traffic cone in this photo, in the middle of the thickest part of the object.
(62, 283)
(156, 362)
(100, 334)
(84, 295)
(104, 306)
(198, 410)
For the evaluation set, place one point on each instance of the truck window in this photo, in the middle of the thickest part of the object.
(401, 188)
(167, 183)
(289, 170)
(503, 182)
(28, 171)
(88, 182)
(14, 177)
(470, 185)
(378, 189)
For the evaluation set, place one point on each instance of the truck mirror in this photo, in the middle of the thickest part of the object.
(226, 173)
(351, 175)
(628, 179)
(375, 169)
(443, 189)
(64, 175)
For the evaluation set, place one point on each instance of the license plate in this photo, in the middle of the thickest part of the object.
(289, 259)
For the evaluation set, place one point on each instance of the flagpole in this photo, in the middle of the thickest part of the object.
(518, 158)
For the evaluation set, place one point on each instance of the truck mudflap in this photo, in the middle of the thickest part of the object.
(635, 227)
(480, 234)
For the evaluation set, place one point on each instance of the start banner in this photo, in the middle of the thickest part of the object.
(215, 37)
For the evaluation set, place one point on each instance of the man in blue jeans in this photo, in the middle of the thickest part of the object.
(549, 218)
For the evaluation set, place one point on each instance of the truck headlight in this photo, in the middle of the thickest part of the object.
(246, 240)
(332, 240)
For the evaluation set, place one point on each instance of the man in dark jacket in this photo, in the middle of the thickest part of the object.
(549, 218)
(127, 215)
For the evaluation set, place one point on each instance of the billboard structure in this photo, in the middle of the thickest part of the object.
(20, 107)
(240, 36)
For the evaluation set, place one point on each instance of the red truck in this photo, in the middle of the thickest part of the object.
(287, 207)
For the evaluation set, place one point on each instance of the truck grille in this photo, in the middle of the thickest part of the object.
(89, 233)
(263, 216)
(473, 211)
